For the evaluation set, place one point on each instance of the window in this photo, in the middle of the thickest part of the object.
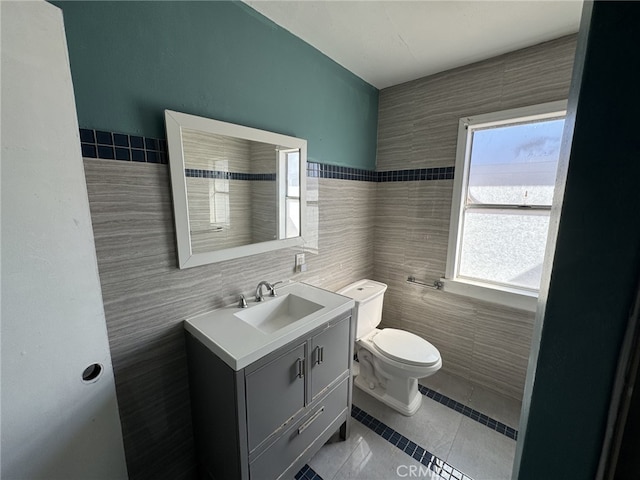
(290, 193)
(219, 212)
(505, 176)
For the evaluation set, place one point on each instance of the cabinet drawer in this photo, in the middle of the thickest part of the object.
(273, 461)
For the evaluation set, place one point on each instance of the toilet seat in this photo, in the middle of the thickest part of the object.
(405, 347)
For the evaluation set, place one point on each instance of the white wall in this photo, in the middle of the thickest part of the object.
(52, 317)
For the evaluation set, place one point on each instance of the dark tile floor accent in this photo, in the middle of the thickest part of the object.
(469, 412)
(426, 458)
(307, 473)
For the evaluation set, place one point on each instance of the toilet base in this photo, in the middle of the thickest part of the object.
(381, 394)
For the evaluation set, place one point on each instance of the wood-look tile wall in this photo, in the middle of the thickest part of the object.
(418, 127)
(264, 194)
(146, 297)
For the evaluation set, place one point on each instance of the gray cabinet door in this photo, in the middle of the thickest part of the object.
(329, 356)
(274, 393)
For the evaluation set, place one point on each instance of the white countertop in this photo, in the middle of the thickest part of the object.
(240, 344)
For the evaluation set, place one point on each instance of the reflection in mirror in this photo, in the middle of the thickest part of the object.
(290, 188)
(237, 191)
(219, 169)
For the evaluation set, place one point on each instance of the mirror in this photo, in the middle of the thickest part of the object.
(237, 191)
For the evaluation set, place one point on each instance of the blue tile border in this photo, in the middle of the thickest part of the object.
(307, 473)
(416, 174)
(119, 146)
(320, 170)
(218, 174)
(469, 412)
(134, 148)
(426, 458)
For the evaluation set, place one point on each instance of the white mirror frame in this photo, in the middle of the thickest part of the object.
(175, 122)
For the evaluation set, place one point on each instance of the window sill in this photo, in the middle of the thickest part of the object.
(509, 297)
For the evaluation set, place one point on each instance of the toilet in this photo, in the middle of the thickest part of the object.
(391, 360)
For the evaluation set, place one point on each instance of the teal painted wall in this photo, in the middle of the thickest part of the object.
(223, 60)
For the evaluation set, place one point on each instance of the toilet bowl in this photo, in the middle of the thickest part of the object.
(391, 360)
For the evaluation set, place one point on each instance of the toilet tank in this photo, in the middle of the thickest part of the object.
(368, 296)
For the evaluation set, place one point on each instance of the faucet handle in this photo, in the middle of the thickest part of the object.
(243, 302)
(273, 288)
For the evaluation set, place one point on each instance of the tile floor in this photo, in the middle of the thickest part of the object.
(461, 446)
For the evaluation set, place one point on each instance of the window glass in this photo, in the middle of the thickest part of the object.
(514, 164)
(293, 174)
(219, 202)
(293, 217)
(504, 247)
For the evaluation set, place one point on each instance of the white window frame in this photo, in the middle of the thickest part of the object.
(521, 298)
(283, 190)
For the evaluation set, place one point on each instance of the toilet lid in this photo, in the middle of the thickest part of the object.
(406, 347)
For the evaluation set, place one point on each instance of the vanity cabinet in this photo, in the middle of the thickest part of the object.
(267, 420)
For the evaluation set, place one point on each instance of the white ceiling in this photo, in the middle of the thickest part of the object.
(394, 41)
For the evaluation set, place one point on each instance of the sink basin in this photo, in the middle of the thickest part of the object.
(241, 336)
(277, 313)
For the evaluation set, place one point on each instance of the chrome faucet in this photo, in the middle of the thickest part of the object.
(270, 287)
(259, 296)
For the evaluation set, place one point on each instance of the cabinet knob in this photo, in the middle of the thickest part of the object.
(300, 367)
